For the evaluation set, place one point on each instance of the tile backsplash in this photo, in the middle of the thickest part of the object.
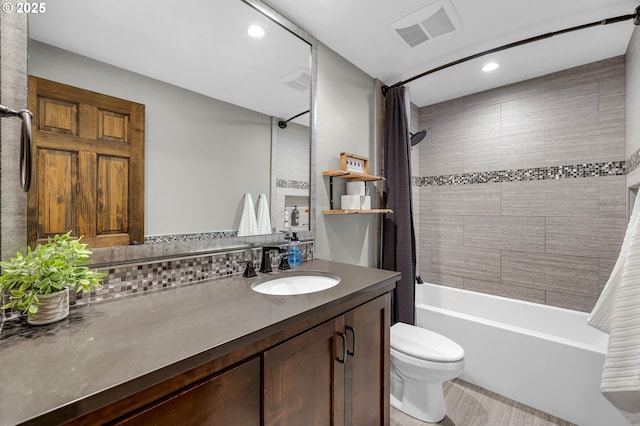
(138, 278)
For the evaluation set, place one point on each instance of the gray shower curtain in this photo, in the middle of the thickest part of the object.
(398, 236)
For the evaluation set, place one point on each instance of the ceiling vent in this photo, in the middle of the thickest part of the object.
(299, 79)
(435, 20)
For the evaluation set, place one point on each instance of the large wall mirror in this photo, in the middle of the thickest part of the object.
(213, 99)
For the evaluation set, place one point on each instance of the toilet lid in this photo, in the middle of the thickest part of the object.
(424, 344)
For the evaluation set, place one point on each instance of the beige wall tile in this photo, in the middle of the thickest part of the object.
(498, 289)
(605, 267)
(611, 196)
(441, 229)
(424, 254)
(524, 115)
(442, 279)
(605, 69)
(592, 142)
(571, 106)
(480, 199)
(521, 233)
(562, 197)
(508, 152)
(466, 262)
(593, 237)
(440, 156)
(523, 89)
(611, 93)
(551, 272)
(571, 301)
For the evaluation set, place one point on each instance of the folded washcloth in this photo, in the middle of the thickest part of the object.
(617, 313)
(264, 220)
(248, 222)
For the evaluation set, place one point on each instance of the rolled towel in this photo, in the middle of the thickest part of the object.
(248, 222)
(264, 219)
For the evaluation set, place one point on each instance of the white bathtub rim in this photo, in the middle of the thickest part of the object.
(518, 329)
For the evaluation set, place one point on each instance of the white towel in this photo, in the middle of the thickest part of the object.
(264, 220)
(248, 223)
(617, 313)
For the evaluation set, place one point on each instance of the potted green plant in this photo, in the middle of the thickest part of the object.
(38, 283)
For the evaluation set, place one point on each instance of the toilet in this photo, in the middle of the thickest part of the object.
(420, 361)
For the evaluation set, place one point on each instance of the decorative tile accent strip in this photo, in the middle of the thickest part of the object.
(292, 184)
(614, 168)
(133, 279)
(219, 235)
(633, 162)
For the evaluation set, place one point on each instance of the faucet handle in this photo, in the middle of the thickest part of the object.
(284, 262)
(249, 270)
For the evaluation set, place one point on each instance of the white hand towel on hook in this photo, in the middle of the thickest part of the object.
(264, 219)
(617, 313)
(248, 222)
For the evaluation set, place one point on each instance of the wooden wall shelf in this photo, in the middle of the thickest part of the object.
(372, 211)
(345, 174)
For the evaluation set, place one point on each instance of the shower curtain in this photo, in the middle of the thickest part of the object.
(398, 236)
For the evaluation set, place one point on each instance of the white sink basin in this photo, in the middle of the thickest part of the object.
(291, 283)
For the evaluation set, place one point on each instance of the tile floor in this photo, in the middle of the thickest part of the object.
(471, 405)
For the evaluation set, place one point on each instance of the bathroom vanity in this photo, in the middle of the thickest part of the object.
(215, 352)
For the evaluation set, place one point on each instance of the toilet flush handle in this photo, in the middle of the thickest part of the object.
(353, 334)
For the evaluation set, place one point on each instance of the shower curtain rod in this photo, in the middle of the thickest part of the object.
(635, 16)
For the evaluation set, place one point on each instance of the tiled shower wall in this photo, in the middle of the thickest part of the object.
(521, 189)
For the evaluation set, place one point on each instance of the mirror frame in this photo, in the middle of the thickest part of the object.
(147, 252)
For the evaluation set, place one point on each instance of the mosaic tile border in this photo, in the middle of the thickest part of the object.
(292, 184)
(613, 168)
(134, 279)
(633, 162)
(218, 235)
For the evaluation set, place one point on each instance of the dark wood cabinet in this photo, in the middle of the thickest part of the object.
(331, 370)
(334, 374)
(229, 398)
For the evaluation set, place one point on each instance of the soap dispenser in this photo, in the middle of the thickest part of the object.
(294, 252)
(295, 216)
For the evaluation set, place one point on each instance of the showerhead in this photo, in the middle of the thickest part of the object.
(417, 137)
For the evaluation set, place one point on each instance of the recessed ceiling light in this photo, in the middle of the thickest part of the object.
(255, 31)
(490, 66)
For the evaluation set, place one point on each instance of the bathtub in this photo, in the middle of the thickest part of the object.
(543, 356)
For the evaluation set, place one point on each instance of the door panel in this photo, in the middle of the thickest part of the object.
(57, 197)
(367, 371)
(102, 196)
(303, 381)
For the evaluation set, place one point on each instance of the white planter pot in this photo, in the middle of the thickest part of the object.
(52, 307)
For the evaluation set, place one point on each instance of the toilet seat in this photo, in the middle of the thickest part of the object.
(424, 344)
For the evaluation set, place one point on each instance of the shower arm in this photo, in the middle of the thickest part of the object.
(283, 124)
(25, 143)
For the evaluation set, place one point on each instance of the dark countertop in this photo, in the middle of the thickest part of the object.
(104, 350)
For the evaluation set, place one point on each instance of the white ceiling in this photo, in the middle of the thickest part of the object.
(359, 30)
(199, 45)
(202, 45)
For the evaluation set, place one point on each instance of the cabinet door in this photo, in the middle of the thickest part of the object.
(303, 379)
(367, 370)
(229, 398)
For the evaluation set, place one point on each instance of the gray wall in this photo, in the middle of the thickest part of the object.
(345, 124)
(632, 59)
(13, 94)
(523, 233)
(201, 154)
